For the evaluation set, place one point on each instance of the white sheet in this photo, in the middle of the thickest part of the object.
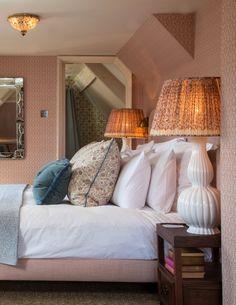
(106, 232)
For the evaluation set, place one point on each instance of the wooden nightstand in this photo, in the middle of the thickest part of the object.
(173, 290)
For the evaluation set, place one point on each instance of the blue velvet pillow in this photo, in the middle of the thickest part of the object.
(51, 182)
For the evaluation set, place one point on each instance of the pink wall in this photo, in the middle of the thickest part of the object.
(228, 150)
(40, 80)
(153, 54)
(206, 60)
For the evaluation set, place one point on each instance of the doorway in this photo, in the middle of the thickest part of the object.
(99, 84)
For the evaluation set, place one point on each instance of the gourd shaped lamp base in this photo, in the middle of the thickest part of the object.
(199, 205)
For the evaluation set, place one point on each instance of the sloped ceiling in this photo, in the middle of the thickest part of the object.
(82, 27)
(161, 43)
(106, 90)
(182, 27)
(155, 46)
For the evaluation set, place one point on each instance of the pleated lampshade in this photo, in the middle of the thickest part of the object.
(125, 123)
(188, 107)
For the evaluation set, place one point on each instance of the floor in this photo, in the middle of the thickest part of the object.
(64, 293)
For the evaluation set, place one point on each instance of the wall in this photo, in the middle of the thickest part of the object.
(210, 51)
(40, 79)
(206, 60)
(161, 56)
(228, 150)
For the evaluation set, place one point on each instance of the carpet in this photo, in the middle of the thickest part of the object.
(67, 293)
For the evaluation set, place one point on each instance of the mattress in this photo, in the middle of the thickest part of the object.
(105, 232)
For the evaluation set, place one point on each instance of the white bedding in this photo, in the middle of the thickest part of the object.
(105, 232)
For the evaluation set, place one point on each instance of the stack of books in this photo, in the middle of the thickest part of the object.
(192, 263)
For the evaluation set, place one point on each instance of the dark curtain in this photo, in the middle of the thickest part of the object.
(72, 133)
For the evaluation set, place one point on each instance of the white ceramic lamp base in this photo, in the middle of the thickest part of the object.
(199, 205)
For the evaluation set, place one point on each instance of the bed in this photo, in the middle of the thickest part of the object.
(55, 242)
(64, 242)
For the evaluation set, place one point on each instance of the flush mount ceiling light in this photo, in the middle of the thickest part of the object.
(23, 22)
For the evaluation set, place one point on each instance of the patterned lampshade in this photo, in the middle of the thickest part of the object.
(125, 123)
(188, 107)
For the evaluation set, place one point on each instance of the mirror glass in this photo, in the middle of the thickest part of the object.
(92, 91)
(11, 118)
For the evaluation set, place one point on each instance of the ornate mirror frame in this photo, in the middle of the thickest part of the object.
(18, 84)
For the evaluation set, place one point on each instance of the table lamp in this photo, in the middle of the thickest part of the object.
(126, 123)
(191, 108)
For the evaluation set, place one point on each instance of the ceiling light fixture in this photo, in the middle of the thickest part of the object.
(23, 22)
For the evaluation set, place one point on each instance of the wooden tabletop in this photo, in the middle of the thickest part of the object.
(179, 237)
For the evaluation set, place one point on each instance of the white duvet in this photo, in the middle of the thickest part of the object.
(105, 232)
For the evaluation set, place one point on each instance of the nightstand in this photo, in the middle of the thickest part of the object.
(173, 289)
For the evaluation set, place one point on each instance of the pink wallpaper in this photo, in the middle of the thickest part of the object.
(228, 150)
(172, 23)
(210, 51)
(153, 54)
(40, 81)
(149, 53)
(206, 60)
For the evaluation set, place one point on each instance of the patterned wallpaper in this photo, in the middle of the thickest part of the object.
(206, 60)
(150, 56)
(40, 81)
(228, 150)
(91, 121)
(172, 24)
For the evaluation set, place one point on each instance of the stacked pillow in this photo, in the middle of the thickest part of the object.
(95, 169)
(182, 151)
(162, 188)
(88, 178)
(153, 174)
(146, 177)
(51, 182)
(156, 188)
(132, 184)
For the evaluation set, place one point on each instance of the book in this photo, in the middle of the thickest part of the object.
(196, 268)
(186, 268)
(192, 261)
(193, 275)
(169, 261)
(188, 252)
(169, 268)
(196, 259)
(187, 275)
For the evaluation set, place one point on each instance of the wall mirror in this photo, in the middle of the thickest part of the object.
(99, 83)
(11, 118)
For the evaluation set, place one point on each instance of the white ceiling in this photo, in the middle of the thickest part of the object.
(81, 27)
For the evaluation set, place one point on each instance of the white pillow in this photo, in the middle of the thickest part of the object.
(132, 185)
(177, 144)
(145, 147)
(162, 188)
(128, 154)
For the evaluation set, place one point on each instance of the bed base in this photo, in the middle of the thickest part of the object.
(139, 271)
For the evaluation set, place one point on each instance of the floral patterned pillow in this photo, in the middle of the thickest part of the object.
(95, 169)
